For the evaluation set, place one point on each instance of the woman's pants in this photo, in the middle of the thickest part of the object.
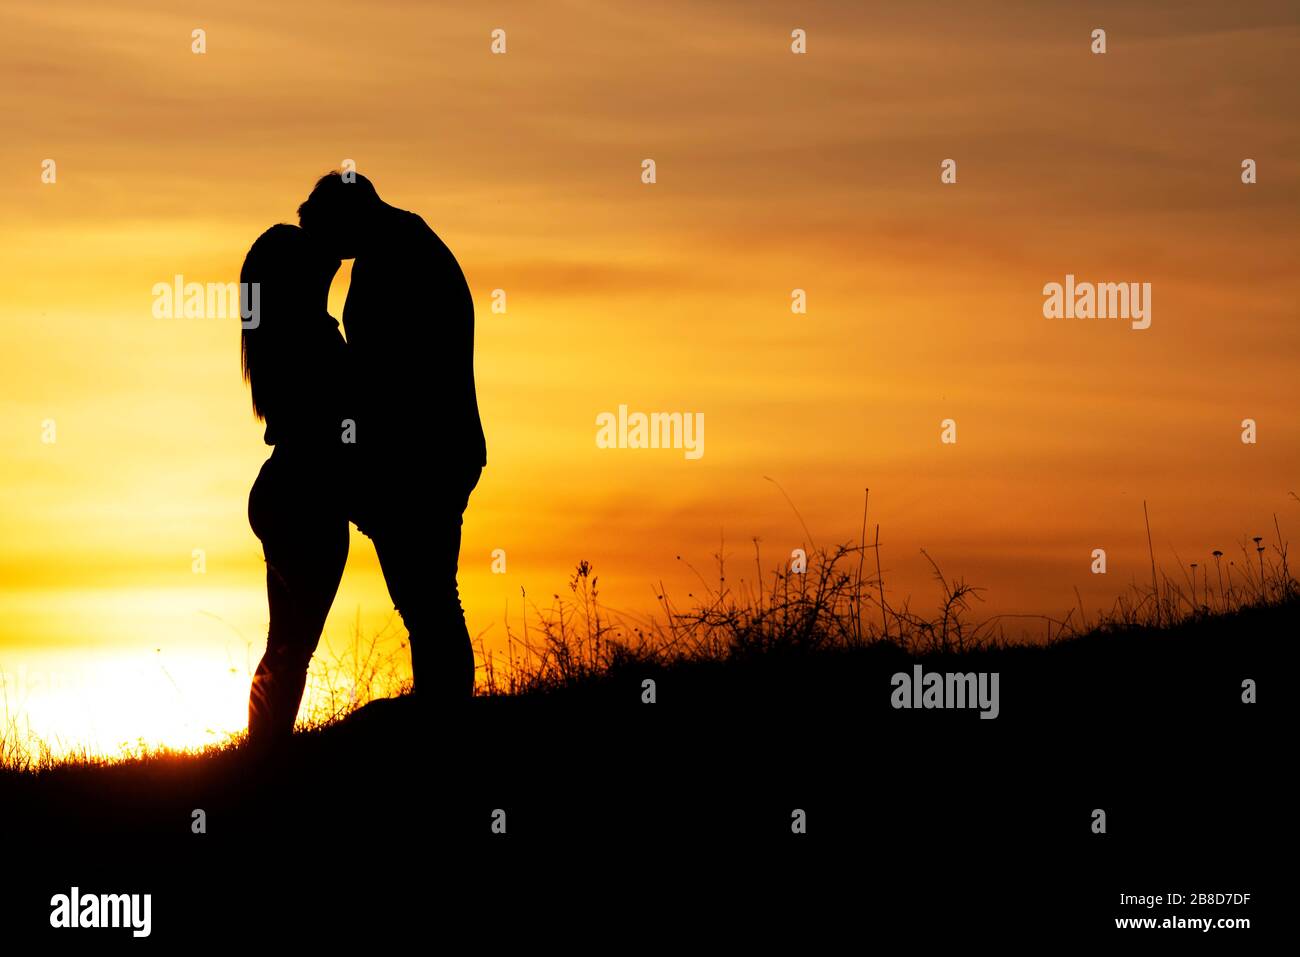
(296, 509)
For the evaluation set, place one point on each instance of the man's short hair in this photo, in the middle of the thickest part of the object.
(332, 194)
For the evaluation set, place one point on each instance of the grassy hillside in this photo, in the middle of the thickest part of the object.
(765, 709)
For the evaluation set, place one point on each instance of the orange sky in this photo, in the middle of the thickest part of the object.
(775, 172)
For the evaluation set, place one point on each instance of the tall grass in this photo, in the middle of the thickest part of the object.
(836, 602)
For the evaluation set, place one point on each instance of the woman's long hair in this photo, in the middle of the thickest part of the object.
(288, 270)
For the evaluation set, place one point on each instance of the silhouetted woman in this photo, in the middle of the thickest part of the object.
(295, 361)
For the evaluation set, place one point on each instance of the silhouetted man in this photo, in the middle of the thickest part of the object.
(409, 322)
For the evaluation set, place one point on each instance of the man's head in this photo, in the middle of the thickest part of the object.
(338, 212)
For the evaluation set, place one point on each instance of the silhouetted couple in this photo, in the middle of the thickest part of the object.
(382, 430)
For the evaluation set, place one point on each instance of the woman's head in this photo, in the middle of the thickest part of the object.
(292, 275)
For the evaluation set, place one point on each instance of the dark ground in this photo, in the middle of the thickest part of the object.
(921, 825)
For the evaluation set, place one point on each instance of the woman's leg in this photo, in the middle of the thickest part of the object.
(305, 554)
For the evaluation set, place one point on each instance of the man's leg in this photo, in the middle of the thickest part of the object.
(419, 558)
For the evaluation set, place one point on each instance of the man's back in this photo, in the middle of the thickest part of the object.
(409, 322)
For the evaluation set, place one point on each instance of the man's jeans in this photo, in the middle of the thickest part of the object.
(417, 538)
